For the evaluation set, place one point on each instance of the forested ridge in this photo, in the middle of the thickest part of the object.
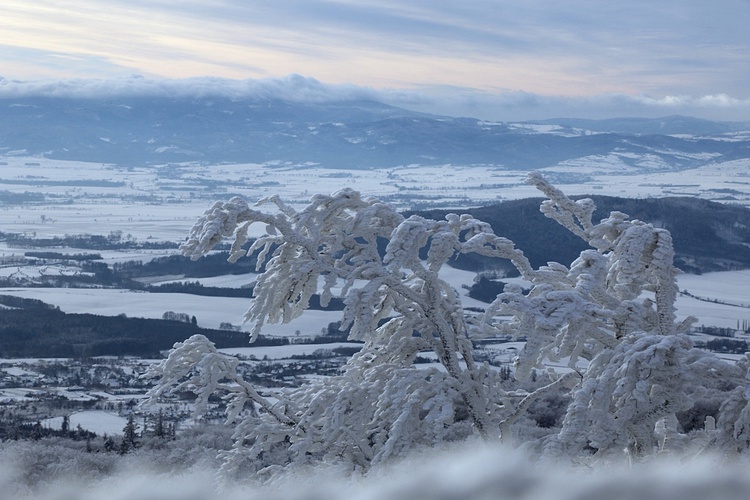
(32, 328)
(707, 236)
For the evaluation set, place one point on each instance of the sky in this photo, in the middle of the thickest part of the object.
(490, 59)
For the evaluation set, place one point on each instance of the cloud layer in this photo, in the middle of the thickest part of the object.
(292, 87)
(452, 101)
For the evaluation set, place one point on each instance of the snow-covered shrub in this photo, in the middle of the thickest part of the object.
(609, 317)
(396, 304)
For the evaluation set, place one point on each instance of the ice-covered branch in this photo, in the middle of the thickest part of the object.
(573, 215)
(196, 366)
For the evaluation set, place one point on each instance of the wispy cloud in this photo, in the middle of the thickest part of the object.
(446, 100)
(509, 106)
(291, 88)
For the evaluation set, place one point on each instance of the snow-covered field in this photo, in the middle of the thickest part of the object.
(210, 312)
(101, 422)
(730, 289)
(161, 202)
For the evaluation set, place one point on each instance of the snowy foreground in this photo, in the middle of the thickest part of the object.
(471, 471)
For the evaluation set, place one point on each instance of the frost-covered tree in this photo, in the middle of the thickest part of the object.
(610, 317)
(395, 303)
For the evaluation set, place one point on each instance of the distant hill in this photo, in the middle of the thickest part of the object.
(32, 328)
(707, 236)
(135, 130)
(668, 125)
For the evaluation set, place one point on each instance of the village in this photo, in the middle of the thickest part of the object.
(100, 394)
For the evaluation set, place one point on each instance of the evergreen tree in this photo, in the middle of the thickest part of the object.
(159, 426)
(129, 435)
(109, 443)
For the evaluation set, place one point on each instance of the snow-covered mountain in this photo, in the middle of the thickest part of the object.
(343, 134)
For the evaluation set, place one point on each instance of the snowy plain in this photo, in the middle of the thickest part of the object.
(101, 422)
(161, 202)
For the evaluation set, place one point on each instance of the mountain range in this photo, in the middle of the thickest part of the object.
(354, 134)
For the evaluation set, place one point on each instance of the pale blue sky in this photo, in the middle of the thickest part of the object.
(494, 59)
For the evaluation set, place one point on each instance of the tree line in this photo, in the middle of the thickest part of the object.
(51, 333)
(707, 236)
